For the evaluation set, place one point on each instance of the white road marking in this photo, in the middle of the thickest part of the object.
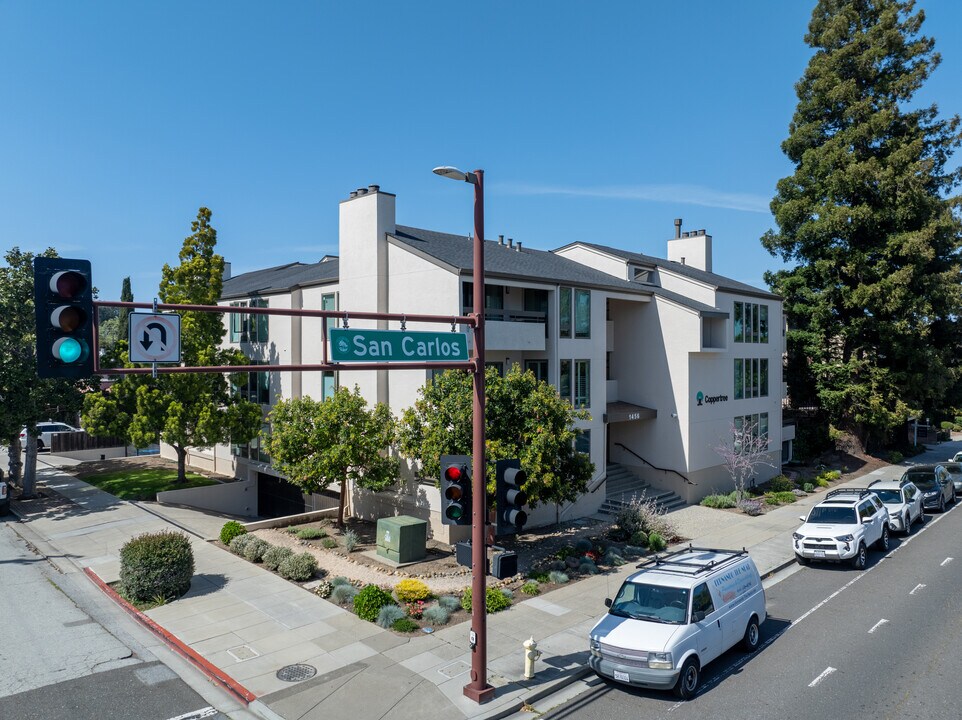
(877, 625)
(945, 562)
(825, 673)
(917, 588)
(197, 714)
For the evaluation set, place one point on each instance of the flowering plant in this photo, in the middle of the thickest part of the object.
(415, 608)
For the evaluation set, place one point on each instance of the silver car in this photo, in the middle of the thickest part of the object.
(955, 472)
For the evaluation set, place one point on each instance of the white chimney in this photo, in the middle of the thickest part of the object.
(690, 248)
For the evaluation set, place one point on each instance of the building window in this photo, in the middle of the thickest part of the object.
(249, 327)
(539, 368)
(564, 312)
(329, 301)
(583, 441)
(751, 433)
(582, 383)
(328, 384)
(564, 380)
(751, 322)
(493, 298)
(751, 378)
(582, 313)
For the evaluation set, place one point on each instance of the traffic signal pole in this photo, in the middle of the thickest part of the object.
(478, 689)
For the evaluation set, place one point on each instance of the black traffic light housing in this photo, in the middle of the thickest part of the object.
(456, 489)
(63, 304)
(509, 497)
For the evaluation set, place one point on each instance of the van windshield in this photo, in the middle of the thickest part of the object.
(657, 603)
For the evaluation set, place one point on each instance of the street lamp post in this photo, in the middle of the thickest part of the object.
(478, 689)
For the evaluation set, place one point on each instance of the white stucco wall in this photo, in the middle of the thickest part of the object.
(617, 267)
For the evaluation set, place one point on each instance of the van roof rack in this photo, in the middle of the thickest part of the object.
(861, 492)
(671, 562)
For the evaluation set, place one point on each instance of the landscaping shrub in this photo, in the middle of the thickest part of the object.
(895, 457)
(558, 577)
(411, 589)
(750, 507)
(156, 565)
(298, 567)
(613, 557)
(557, 565)
(343, 594)
(329, 543)
(449, 602)
(340, 580)
(588, 568)
(406, 625)
(808, 487)
(239, 543)
(436, 615)
(323, 589)
(821, 482)
(719, 500)
(567, 552)
(779, 498)
(275, 555)
(639, 538)
(631, 551)
(311, 533)
(369, 601)
(643, 514)
(231, 529)
(780, 483)
(583, 545)
(495, 600)
(351, 540)
(508, 593)
(255, 549)
(572, 562)
(388, 615)
(531, 588)
(538, 576)
(656, 542)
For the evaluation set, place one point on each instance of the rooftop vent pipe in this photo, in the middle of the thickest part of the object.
(510, 242)
(373, 188)
(500, 239)
(519, 246)
(362, 191)
(677, 227)
(353, 194)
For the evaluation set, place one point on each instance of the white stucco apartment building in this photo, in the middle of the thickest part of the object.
(665, 355)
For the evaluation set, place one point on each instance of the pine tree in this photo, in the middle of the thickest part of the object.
(868, 221)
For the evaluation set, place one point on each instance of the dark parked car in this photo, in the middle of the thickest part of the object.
(955, 472)
(935, 483)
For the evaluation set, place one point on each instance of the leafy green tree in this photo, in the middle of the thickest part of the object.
(24, 397)
(316, 443)
(525, 419)
(868, 220)
(189, 409)
(113, 330)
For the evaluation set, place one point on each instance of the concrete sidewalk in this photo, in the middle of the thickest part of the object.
(250, 623)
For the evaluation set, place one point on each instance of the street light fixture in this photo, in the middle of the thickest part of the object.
(478, 689)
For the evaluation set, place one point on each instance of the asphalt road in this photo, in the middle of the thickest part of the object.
(884, 643)
(59, 662)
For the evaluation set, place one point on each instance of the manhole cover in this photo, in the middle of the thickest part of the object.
(296, 673)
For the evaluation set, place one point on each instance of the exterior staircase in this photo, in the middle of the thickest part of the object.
(623, 486)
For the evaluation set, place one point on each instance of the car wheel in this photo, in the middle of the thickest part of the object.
(688, 679)
(801, 560)
(907, 524)
(752, 636)
(883, 541)
(40, 445)
(861, 558)
(921, 515)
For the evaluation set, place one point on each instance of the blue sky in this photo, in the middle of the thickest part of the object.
(597, 121)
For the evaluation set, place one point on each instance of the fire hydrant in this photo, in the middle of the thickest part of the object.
(531, 653)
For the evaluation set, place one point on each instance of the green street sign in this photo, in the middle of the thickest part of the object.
(349, 345)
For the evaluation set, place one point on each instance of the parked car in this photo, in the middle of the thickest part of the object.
(45, 430)
(675, 615)
(4, 496)
(842, 527)
(955, 472)
(935, 483)
(903, 501)
(957, 457)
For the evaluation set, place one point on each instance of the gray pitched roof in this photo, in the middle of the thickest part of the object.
(281, 278)
(456, 253)
(719, 282)
(701, 308)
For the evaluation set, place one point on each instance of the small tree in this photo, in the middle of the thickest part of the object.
(336, 440)
(744, 454)
(525, 419)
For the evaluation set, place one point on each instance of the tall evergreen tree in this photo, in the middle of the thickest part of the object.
(190, 409)
(869, 222)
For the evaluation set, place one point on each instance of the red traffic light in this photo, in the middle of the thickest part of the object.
(454, 473)
(68, 283)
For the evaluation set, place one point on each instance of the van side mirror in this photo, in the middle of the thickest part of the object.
(608, 602)
(802, 518)
(698, 616)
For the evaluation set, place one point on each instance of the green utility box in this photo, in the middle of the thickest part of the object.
(402, 539)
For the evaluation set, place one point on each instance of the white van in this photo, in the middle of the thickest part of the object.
(675, 615)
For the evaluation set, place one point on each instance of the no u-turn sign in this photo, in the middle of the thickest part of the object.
(154, 337)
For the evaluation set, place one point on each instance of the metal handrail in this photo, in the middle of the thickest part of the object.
(664, 470)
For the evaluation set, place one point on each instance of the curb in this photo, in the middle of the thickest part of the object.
(215, 674)
(547, 690)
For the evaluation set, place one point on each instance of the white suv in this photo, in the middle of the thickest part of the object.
(44, 432)
(903, 501)
(842, 527)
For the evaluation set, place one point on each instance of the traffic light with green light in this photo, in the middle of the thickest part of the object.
(456, 489)
(63, 303)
